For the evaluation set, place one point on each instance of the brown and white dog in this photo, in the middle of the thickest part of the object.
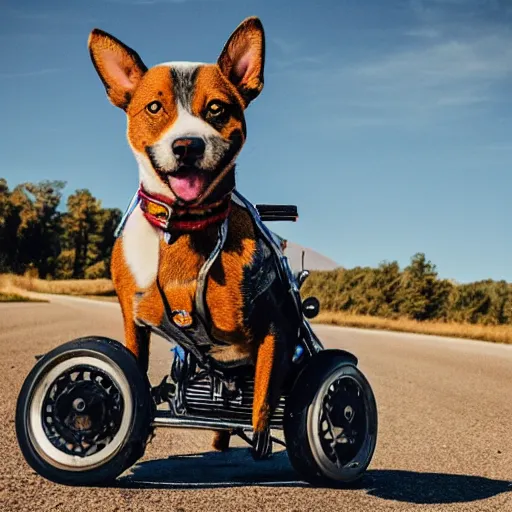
(186, 127)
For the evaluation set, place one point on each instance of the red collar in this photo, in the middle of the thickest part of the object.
(162, 212)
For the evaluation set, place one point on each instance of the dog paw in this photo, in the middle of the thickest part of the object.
(221, 441)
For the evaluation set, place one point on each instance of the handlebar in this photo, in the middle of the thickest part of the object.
(277, 212)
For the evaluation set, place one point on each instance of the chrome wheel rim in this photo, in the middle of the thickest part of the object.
(80, 413)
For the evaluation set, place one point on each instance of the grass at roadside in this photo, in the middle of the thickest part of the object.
(88, 287)
(18, 288)
(492, 333)
(14, 297)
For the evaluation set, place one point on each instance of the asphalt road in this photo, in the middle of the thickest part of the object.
(445, 442)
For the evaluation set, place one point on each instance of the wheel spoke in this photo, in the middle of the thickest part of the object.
(340, 426)
(83, 411)
(332, 434)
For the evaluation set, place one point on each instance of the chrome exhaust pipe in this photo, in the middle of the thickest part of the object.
(165, 419)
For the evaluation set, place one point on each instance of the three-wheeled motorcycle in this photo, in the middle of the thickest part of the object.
(86, 411)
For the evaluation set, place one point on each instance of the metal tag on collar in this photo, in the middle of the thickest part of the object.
(156, 208)
(181, 318)
(159, 209)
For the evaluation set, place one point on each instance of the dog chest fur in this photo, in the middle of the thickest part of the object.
(177, 266)
(141, 249)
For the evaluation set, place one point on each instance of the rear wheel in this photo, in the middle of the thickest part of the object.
(330, 422)
(84, 412)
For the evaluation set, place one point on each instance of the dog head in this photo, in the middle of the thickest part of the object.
(186, 121)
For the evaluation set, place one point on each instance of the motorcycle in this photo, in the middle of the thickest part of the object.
(86, 411)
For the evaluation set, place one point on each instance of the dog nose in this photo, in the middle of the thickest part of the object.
(188, 150)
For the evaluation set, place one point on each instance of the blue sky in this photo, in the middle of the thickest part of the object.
(389, 123)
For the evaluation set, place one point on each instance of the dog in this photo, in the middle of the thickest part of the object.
(186, 127)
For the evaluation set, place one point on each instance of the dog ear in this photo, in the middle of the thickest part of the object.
(119, 67)
(243, 58)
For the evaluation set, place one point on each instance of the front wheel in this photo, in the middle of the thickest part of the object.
(330, 422)
(84, 412)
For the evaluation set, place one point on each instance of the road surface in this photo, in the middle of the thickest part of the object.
(445, 441)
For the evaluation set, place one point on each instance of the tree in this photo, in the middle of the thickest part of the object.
(108, 222)
(32, 225)
(102, 242)
(9, 222)
(46, 228)
(482, 302)
(89, 237)
(80, 223)
(388, 280)
(422, 296)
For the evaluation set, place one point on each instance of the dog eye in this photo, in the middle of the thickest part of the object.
(154, 107)
(215, 109)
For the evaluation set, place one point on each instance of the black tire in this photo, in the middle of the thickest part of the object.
(332, 376)
(97, 412)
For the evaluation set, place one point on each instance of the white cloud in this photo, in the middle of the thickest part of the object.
(424, 33)
(439, 75)
(437, 78)
(304, 61)
(447, 63)
(285, 46)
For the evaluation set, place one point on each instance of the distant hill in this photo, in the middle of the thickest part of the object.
(313, 260)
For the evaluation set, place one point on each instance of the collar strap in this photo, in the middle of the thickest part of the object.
(159, 211)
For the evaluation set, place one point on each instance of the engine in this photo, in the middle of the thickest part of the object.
(208, 396)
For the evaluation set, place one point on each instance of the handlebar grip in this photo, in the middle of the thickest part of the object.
(277, 212)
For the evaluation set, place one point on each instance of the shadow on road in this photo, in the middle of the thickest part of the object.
(213, 470)
(431, 488)
(236, 468)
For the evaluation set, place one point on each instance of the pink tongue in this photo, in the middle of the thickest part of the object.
(188, 186)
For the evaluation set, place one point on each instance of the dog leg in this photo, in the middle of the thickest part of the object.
(136, 337)
(221, 440)
(137, 341)
(268, 379)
